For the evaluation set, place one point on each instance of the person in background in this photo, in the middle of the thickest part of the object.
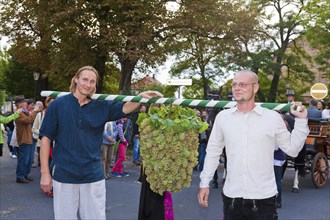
(202, 143)
(326, 112)
(136, 139)
(24, 138)
(9, 127)
(279, 160)
(109, 139)
(117, 169)
(320, 105)
(312, 111)
(13, 142)
(30, 105)
(290, 96)
(249, 133)
(5, 120)
(36, 127)
(75, 123)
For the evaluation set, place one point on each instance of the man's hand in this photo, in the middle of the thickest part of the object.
(20, 110)
(300, 112)
(46, 183)
(129, 107)
(150, 94)
(111, 139)
(203, 196)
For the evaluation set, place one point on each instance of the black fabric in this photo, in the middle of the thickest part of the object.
(135, 126)
(249, 209)
(151, 205)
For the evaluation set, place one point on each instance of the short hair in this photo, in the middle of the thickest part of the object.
(313, 102)
(31, 101)
(73, 85)
(253, 74)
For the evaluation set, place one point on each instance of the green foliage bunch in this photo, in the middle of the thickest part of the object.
(169, 142)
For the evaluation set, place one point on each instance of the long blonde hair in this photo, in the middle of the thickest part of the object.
(73, 85)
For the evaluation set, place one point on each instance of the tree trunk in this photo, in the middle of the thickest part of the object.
(275, 81)
(42, 84)
(127, 67)
(205, 83)
(100, 67)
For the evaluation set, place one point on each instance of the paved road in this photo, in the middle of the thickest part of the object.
(25, 201)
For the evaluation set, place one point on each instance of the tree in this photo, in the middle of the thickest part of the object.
(276, 52)
(62, 36)
(167, 91)
(29, 25)
(283, 31)
(18, 79)
(318, 33)
(195, 91)
(209, 36)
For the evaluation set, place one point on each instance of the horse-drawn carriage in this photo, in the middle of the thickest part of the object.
(315, 154)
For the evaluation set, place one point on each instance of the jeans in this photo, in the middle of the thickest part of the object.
(136, 149)
(278, 178)
(249, 209)
(201, 155)
(24, 161)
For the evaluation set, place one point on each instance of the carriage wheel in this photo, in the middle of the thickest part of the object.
(320, 170)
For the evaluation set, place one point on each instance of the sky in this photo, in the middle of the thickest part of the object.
(3, 41)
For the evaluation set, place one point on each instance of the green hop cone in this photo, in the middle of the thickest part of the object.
(169, 142)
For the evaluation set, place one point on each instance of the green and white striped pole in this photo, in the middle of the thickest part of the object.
(173, 101)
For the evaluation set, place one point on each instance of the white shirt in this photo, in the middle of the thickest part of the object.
(250, 139)
(326, 113)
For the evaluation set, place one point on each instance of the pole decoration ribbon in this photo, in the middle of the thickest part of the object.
(167, 101)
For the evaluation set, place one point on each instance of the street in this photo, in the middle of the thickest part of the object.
(25, 201)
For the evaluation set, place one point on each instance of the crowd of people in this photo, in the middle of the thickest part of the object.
(79, 150)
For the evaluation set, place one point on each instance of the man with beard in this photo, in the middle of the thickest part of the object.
(249, 132)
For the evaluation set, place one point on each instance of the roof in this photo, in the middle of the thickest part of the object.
(146, 81)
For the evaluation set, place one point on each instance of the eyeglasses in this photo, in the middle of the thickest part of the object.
(241, 85)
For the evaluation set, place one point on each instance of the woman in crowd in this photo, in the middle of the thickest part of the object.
(326, 112)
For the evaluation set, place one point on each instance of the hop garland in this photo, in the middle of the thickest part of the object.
(169, 143)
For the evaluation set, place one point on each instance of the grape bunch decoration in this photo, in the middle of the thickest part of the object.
(169, 146)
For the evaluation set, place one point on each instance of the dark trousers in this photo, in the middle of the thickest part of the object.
(278, 178)
(249, 209)
(24, 161)
(151, 205)
(201, 155)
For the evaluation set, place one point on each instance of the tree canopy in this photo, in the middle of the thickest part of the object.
(209, 39)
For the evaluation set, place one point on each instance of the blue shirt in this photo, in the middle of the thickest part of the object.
(313, 112)
(77, 132)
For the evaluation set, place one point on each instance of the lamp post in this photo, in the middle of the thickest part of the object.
(36, 76)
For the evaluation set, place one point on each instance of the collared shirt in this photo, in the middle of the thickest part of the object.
(77, 132)
(314, 112)
(249, 139)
